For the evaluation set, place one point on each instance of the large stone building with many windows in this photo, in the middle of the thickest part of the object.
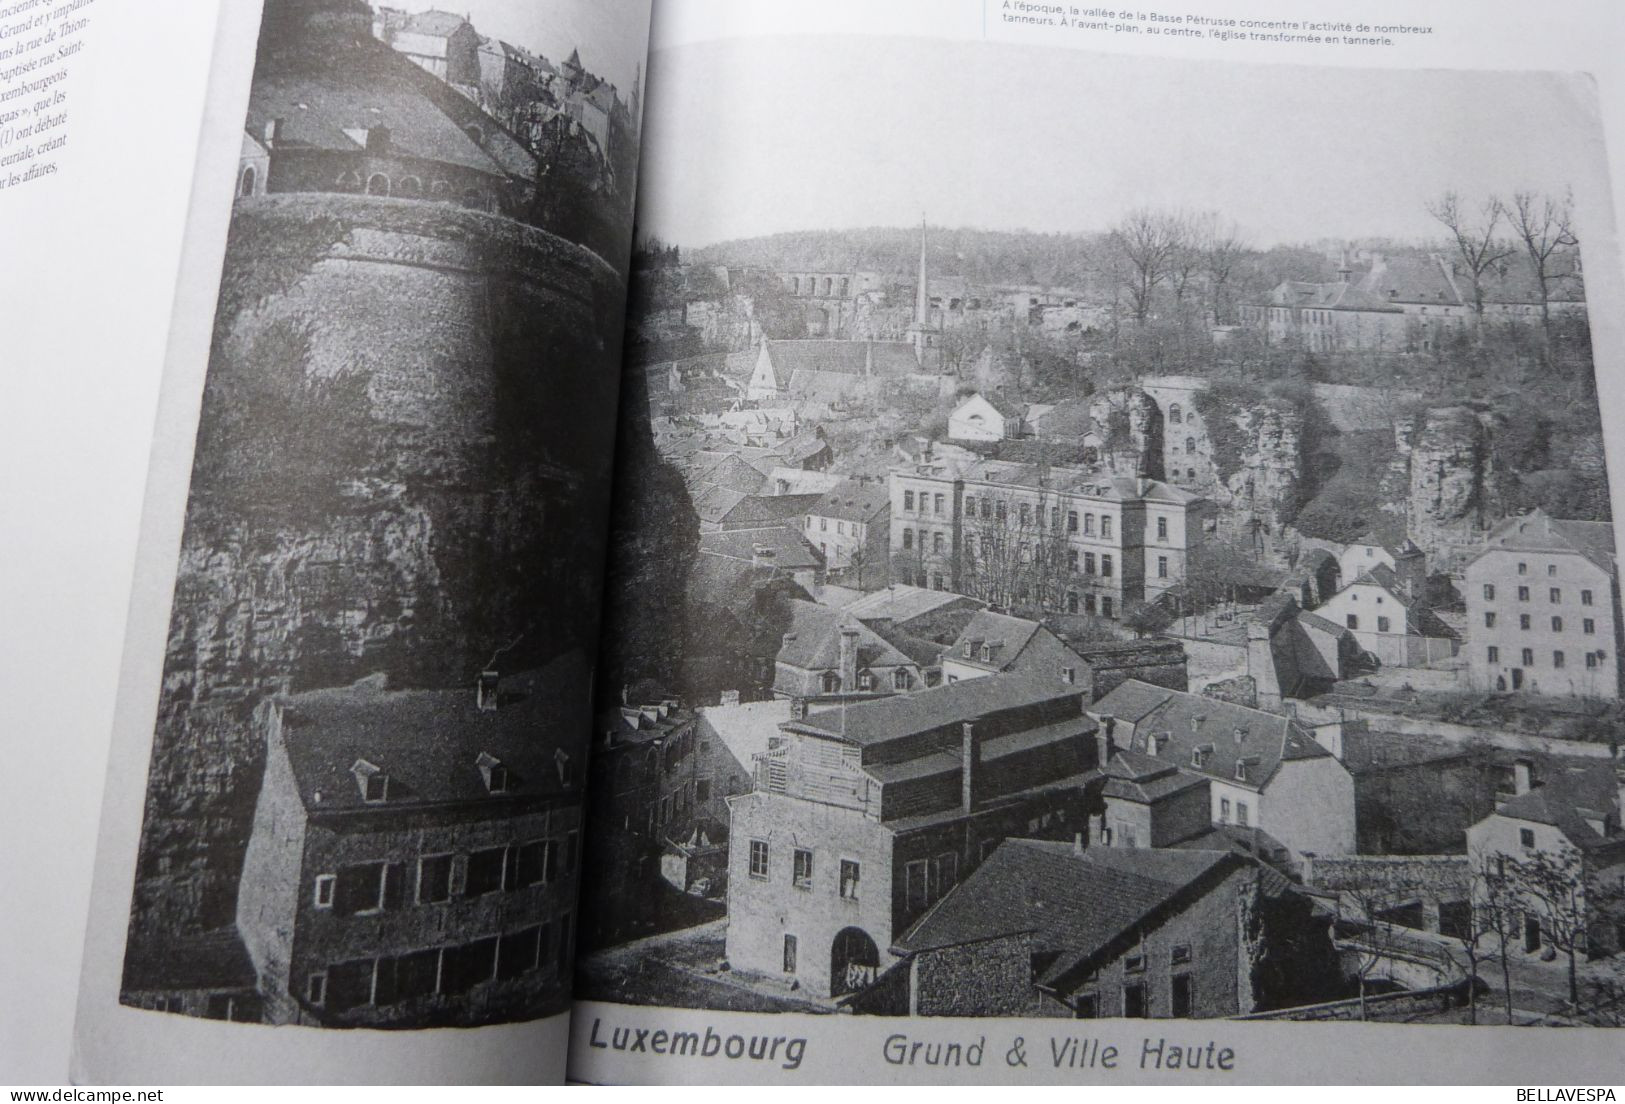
(863, 817)
(414, 853)
(1543, 609)
(1034, 538)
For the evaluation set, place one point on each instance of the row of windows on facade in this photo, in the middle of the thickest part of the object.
(801, 870)
(1553, 594)
(867, 681)
(678, 803)
(998, 510)
(1137, 1003)
(452, 970)
(1588, 625)
(665, 757)
(373, 781)
(840, 527)
(379, 886)
(810, 285)
(1084, 563)
(1593, 660)
(380, 184)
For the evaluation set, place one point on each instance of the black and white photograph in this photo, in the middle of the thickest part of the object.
(365, 800)
(1110, 537)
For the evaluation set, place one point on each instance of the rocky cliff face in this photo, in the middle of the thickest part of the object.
(1449, 480)
(1260, 499)
(402, 467)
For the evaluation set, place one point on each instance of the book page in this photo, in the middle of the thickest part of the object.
(347, 777)
(1114, 526)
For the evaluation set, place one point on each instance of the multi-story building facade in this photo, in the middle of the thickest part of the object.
(1556, 851)
(1264, 771)
(1543, 609)
(1410, 303)
(864, 817)
(1026, 537)
(413, 856)
(850, 526)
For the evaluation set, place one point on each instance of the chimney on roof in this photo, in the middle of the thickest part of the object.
(970, 766)
(849, 658)
(485, 691)
(1105, 746)
(1077, 839)
(1523, 776)
(798, 709)
(378, 139)
(273, 130)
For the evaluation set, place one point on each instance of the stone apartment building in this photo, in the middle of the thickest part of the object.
(850, 525)
(863, 817)
(1543, 609)
(413, 855)
(1409, 303)
(1058, 539)
(1265, 771)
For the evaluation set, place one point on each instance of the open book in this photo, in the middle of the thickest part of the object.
(972, 533)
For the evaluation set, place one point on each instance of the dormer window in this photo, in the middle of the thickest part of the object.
(1241, 770)
(866, 681)
(372, 781)
(987, 653)
(494, 773)
(967, 650)
(832, 682)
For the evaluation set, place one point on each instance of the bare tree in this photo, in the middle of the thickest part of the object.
(1146, 243)
(1222, 247)
(1366, 891)
(1474, 235)
(1494, 921)
(1544, 224)
(1551, 886)
(1015, 553)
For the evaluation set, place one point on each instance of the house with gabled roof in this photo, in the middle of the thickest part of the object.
(413, 855)
(1543, 609)
(986, 416)
(995, 643)
(1264, 770)
(1571, 822)
(828, 654)
(1390, 624)
(1057, 929)
(828, 371)
(1387, 544)
(851, 525)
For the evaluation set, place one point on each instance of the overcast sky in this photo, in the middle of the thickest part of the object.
(810, 133)
(613, 35)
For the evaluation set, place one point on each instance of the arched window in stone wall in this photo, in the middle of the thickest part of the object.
(250, 179)
(349, 182)
(1190, 444)
(829, 286)
(1174, 414)
(378, 184)
(410, 188)
(473, 197)
(440, 189)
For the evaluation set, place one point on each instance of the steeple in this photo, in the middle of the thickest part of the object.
(922, 298)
